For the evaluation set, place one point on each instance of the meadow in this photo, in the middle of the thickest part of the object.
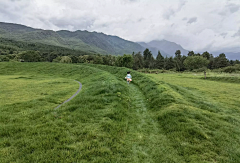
(157, 118)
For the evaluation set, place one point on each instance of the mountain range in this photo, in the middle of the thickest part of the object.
(92, 42)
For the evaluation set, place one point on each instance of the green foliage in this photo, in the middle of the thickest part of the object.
(109, 60)
(169, 63)
(30, 56)
(195, 62)
(124, 61)
(127, 61)
(206, 55)
(65, 59)
(74, 58)
(191, 53)
(52, 56)
(229, 69)
(148, 59)
(138, 61)
(179, 59)
(98, 60)
(7, 45)
(220, 61)
(159, 61)
(58, 59)
(4, 58)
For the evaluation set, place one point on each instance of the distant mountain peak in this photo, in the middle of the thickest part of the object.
(165, 46)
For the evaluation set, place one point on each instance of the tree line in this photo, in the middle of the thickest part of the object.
(136, 61)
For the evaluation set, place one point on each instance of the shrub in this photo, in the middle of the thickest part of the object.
(231, 69)
(4, 58)
(66, 59)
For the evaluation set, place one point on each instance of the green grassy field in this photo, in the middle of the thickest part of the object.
(202, 117)
(25, 88)
(157, 118)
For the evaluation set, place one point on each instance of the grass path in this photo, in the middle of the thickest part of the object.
(79, 89)
(144, 138)
(148, 143)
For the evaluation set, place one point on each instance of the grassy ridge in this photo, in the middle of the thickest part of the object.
(169, 118)
(202, 118)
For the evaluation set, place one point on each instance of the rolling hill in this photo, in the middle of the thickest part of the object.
(79, 40)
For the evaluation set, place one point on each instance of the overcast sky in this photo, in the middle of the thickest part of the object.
(195, 24)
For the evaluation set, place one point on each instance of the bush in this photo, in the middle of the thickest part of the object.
(66, 59)
(231, 69)
(4, 58)
(30, 56)
(195, 62)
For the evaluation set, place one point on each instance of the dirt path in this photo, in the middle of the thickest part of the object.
(79, 89)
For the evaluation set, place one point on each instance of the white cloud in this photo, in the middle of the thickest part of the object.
(196, 25)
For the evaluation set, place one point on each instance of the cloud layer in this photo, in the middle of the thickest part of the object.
(196, 25)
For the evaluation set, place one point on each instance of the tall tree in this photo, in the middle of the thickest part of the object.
(148, 59)
(206, 55)
(138, 62)
(178, 61)
(151, 62)
(221, 61)
(146, 53)
(169, 63)
(191, 53)
(159, 61)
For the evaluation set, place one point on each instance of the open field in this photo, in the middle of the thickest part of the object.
(203, 116)
(157, 118)
(26, 88)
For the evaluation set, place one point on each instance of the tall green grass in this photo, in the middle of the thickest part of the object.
(157, 118)
(89, 128)
(201, 118)
(107, 122)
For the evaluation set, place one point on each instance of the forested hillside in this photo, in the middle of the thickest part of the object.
(92, 42)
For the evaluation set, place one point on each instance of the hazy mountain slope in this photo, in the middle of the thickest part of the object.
(13, 45)
(111, 44)
(23, 33)
(80, 40)
(86, 41)
(168, 47)
(15, 28)
(154, 50)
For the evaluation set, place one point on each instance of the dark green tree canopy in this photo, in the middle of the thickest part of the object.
(159, 61)
(195, 62)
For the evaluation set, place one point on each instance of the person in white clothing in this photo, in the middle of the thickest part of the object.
(128, 77)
